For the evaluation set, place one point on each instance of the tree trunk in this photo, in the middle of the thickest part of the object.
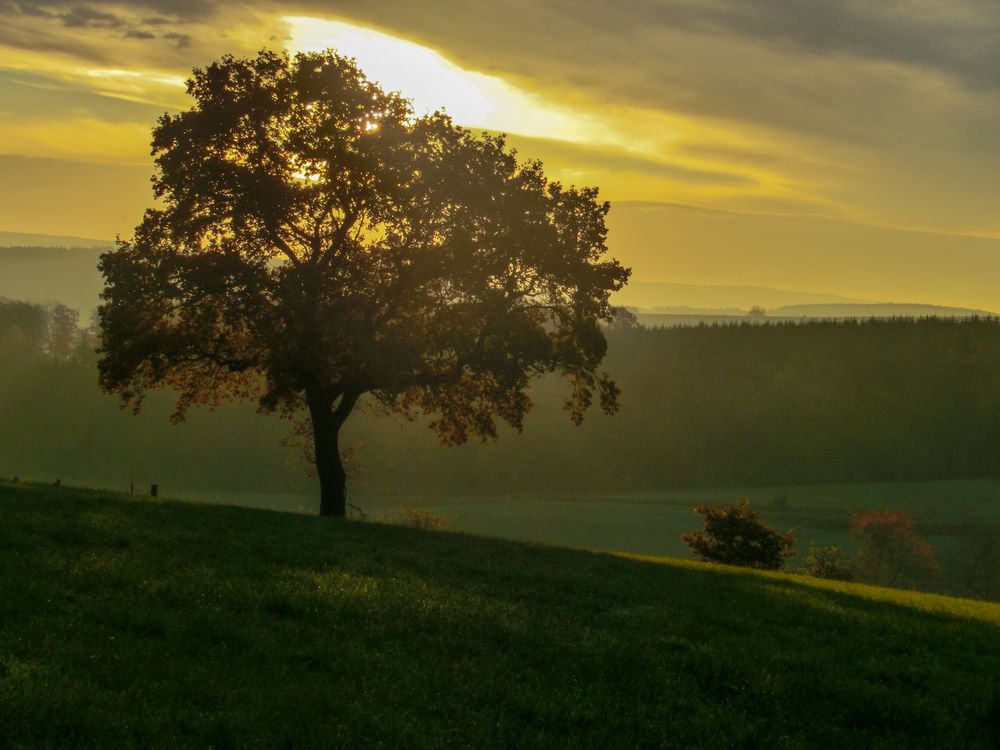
(330, 470)
(326, 424)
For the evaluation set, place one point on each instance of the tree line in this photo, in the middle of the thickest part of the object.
(818, 402)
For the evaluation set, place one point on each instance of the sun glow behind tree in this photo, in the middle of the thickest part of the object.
(433, 82)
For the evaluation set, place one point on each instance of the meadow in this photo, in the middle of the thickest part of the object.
(949, 514)
(129, 622)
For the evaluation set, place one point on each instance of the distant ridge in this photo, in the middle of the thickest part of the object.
(20, 239)
(651, 295)
(877, 310)
(66, 274)
(689, 316)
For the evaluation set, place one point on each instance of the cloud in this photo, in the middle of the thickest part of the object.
(883, 111)
(594, 160)
(84, 16)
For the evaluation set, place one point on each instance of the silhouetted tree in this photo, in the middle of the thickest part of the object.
(318, 242)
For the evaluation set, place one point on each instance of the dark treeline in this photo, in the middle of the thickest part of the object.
(819, 402)
(704, 406)
(56, 423)
(816, 402)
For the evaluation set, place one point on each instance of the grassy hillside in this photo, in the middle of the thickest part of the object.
(131, 623)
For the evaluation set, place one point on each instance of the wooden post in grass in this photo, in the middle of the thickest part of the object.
(153, 490)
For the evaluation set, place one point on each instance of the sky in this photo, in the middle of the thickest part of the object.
(839, 146)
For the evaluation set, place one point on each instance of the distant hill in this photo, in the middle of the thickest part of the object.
(669, 298)
(691, 316)
(52, 274)
(19, 239)
(695, 245)
(879, 310)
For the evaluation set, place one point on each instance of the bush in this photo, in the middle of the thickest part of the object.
(737, 535)
(829, 562)
(415, 518)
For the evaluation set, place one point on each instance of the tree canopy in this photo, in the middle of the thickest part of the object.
(317, 241)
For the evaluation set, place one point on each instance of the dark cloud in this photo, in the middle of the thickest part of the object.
(179, 9)
(181, 40)
(26, 9)
(84, 16)
(962, 44)
(32, 41)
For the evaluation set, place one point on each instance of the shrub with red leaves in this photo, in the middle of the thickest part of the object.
(892, 551)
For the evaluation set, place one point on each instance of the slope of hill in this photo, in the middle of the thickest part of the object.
(21, 239)
(130, 623)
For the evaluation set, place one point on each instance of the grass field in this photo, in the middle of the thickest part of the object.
(652, 524)
(134, 623)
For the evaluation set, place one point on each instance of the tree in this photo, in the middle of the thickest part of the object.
(22, 327)
(319, 243)
(737, 535)
(891, 547)
(64, 331)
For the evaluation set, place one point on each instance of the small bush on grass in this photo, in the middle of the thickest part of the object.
(416, 518)
(829, 562)
(737, 535)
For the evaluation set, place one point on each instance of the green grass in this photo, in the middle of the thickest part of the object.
(652, 523)
(134, 623)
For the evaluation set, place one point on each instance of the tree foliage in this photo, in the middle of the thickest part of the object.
(892, 550)
(317, 242)
(737, 535)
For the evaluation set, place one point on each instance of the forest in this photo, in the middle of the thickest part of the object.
(705, 406)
